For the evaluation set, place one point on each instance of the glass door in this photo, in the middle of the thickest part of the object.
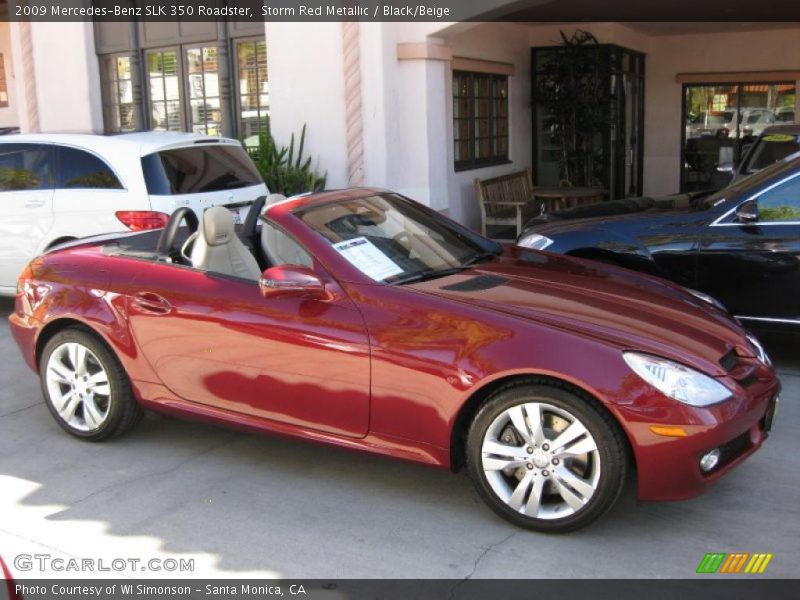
(205, 112)
(588, 117)
(163, 74)
(721, 122)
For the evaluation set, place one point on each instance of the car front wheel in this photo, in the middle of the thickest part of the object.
(85, 387)
(545, 458)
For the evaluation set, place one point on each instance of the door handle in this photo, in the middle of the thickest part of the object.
(149, 302)
(35, 203)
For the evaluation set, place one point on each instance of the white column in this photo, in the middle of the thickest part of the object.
(404, 87)
(354, 123)
(25, 75)
(58, 76)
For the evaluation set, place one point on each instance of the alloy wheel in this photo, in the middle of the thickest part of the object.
(78, 387)
(541, 461)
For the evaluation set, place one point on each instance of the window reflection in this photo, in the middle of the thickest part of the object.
(722, 123)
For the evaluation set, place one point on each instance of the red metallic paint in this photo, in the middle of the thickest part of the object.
(387, 369)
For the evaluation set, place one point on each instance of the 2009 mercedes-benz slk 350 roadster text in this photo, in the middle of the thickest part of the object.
(362, 319)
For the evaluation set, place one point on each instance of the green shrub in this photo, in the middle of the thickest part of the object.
(283, 171)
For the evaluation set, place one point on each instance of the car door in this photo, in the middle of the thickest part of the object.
(215, 340)
(26, 202)
(753, 267)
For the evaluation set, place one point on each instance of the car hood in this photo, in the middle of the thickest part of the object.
(619, 306)
(645, 219)
(628, 214)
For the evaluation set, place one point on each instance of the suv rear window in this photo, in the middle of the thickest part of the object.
(198, 169)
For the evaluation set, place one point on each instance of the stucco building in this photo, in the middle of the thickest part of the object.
(397, 105)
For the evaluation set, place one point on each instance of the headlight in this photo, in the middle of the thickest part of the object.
(758, 349)
(677, 381)
(706, 298)
(534, 241)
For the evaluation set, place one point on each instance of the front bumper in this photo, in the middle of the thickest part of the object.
(668, 468)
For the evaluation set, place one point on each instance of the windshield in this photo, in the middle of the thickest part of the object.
(771, 148)
(390, 239)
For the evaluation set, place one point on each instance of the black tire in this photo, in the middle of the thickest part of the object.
(123, 410)
(610, 444)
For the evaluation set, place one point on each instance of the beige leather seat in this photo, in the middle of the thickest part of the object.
(280, 249)
(274, 199)
(218, 249)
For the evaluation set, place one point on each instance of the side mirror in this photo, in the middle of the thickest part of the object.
(287, 281)
(747, 212)
(726, 168)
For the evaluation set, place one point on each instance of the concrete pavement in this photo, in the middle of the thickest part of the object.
(244, 505)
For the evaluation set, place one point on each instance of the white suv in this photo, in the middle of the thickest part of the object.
(59, 187)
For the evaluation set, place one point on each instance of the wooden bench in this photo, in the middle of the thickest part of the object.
(506, 201)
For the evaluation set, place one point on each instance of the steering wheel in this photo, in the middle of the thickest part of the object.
(166, 242)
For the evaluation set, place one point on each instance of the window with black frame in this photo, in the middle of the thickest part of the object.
(119, 110)
(253, 87)
(480, 119)
(722, 122)
(182, 86)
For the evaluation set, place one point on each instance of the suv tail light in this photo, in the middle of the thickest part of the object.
(141, 220)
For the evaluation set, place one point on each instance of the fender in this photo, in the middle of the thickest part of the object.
(60, 300)
(607, 246)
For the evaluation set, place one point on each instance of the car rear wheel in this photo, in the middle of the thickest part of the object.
(85, 387)
(545, 458)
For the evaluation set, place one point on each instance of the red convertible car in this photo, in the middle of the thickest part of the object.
(362, 319)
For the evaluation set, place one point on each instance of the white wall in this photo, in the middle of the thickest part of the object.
(9, 115)
(501, 42)
(404, 115)
(67, 77)
(307, 86)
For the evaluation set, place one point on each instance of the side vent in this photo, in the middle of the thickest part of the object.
(476, 284)
(729, 361)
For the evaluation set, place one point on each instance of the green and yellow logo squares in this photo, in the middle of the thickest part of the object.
(736, 562)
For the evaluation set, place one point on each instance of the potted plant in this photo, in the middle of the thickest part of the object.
(572, 92)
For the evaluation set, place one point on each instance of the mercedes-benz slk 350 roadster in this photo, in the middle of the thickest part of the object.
(362, 319)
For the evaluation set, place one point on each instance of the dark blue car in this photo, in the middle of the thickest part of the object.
(740, 245)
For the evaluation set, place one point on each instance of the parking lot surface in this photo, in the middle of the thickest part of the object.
(245, 505)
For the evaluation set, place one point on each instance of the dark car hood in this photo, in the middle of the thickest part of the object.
(628, 309)
(646, 219)
(628, 214)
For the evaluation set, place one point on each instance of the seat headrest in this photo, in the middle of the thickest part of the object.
(274, 199)
(218, 227)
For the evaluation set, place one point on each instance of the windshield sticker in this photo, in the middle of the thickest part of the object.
(778, 137)
(367, 258)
